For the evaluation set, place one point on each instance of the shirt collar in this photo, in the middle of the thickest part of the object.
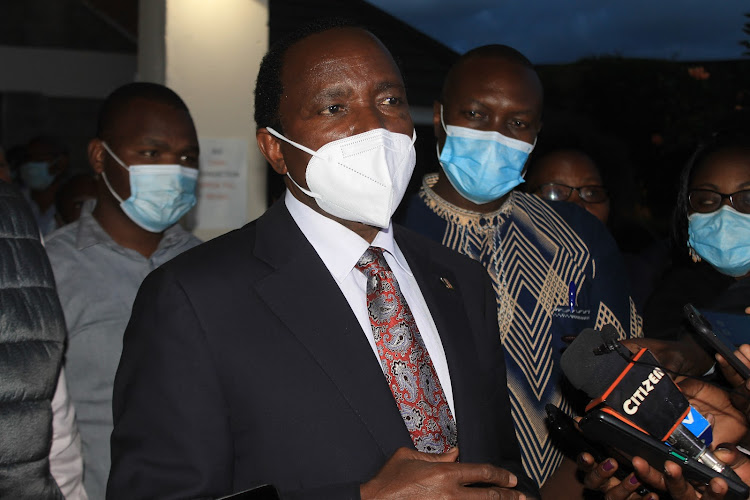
(338, 247)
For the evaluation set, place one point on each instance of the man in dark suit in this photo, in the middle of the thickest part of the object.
(255, 358)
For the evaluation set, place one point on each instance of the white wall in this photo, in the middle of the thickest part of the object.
(209, 53)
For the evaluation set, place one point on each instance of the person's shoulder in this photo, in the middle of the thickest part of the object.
(415, 243)
(568, 217)
(62, 240)
(226, 250)
(182, 239)
(248, 251)
(417, 214)
(412, 207)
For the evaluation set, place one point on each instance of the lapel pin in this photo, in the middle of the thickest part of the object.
(446, 283)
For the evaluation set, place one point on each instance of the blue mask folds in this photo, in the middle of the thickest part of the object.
(482, 166)
(159, 194)
(36, 175)
(722, 239)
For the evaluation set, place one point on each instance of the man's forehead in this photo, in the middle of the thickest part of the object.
(488, 69)
(143, 116)
(487, 74)
(338, 49)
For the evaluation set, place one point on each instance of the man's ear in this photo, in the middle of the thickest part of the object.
(437, 126)
(270, 146)
(97, 155)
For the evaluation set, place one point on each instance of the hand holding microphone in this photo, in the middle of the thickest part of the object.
(638, 406)
(729, 423)
(634, 389)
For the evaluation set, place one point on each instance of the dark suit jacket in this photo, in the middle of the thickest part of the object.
(243, 364)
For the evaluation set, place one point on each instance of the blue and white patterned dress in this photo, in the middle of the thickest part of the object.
(534, 251)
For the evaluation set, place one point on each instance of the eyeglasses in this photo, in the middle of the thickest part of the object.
(705, 201)
(561, 192)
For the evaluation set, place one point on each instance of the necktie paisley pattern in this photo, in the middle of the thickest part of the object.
(406, 363)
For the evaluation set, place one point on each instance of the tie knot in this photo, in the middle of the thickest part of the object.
(372, 260)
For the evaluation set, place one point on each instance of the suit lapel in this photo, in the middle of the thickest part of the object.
(303, 294)
(444, 299)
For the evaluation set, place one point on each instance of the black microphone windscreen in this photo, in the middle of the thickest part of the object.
(579, 362)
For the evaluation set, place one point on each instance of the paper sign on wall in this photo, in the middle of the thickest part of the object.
(222, 184)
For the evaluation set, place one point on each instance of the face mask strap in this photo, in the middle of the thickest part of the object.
(296, 145)
(300, 147)
(113, 155)
(308, 193)
(109, 186)
(437, 143)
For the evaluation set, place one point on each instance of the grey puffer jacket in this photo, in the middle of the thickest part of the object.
(32, 337)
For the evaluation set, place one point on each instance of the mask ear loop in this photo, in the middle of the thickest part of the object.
(104, 174)
(442, 120)
(302, 148)
(296, 145)
(114, 156)
(437, 143)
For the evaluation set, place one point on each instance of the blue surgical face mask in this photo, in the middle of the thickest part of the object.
(36, 174)
(722, 239)
(482, 166)
(159, 194)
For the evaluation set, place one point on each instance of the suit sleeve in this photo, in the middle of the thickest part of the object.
(171, 434)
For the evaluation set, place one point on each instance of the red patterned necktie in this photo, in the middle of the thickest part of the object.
(406, 362)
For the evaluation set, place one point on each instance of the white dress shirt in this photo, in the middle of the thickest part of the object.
(340, 248)
(65, 460)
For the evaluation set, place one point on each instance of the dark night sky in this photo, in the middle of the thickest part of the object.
(554, 31)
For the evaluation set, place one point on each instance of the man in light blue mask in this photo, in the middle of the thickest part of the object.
(145, 156)
(555, 270)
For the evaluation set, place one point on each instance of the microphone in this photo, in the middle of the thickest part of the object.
(635, 389)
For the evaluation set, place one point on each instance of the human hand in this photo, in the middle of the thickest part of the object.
(728, 423)
(411, 475)
(601, 477)
(739, 462)
(741, 393)
(672, 481)
(683, 357)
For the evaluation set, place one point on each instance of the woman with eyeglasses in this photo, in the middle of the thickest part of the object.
(565, 171)
(570, 175)
(711, 233)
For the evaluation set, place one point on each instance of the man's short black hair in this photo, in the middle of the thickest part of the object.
(119, 99)
(496, 51)
(268, 86)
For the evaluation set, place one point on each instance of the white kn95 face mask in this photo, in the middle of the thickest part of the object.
(361, 178)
